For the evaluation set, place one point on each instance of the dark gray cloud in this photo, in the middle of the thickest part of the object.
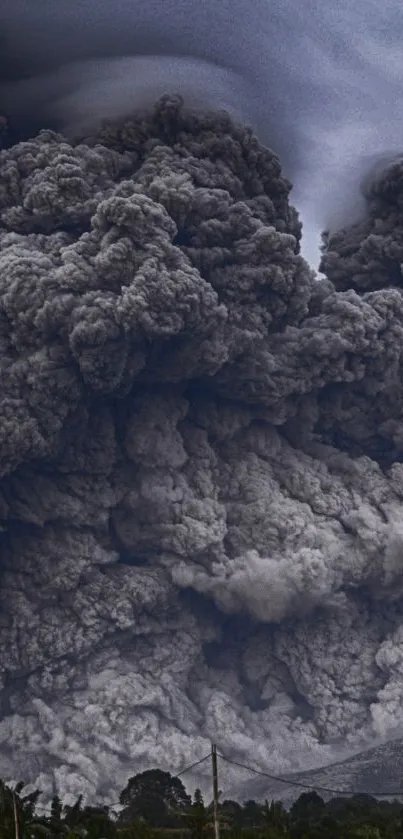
(320, 83)
(200, 444)
(200, 448)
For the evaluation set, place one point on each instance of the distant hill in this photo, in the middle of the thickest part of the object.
(375, 770)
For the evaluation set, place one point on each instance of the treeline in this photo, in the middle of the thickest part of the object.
(156, 805)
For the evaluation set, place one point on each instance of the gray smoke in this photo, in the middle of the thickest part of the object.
(200, 442)
(320, 82)
(200, 446)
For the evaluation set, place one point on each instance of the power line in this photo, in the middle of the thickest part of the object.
(300, 784)
(270, 776)
(178, 774)
(192, 766)
(116, 803)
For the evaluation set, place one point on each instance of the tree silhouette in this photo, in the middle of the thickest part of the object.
(18, 811)
(157, 806)
(196, 817)
(156, 797)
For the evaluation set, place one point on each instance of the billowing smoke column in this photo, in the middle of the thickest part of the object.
(320, 82)
(200, 446)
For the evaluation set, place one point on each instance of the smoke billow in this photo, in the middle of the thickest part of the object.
(320, 83)
(201, 443)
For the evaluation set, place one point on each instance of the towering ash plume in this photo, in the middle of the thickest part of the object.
(201, 494)
(200, 442)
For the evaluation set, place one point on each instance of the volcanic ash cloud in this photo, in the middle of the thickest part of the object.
(200, 449)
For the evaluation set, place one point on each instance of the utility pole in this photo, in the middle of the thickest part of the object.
(16, 825)
(215, 791)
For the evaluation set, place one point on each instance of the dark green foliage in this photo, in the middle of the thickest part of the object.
(197, 817)
(252, 813)
(231, 814)
(14, 806)
(275, 820)
(157, 806)
(156, 797)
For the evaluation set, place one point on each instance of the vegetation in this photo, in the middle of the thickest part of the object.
(155, 805)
